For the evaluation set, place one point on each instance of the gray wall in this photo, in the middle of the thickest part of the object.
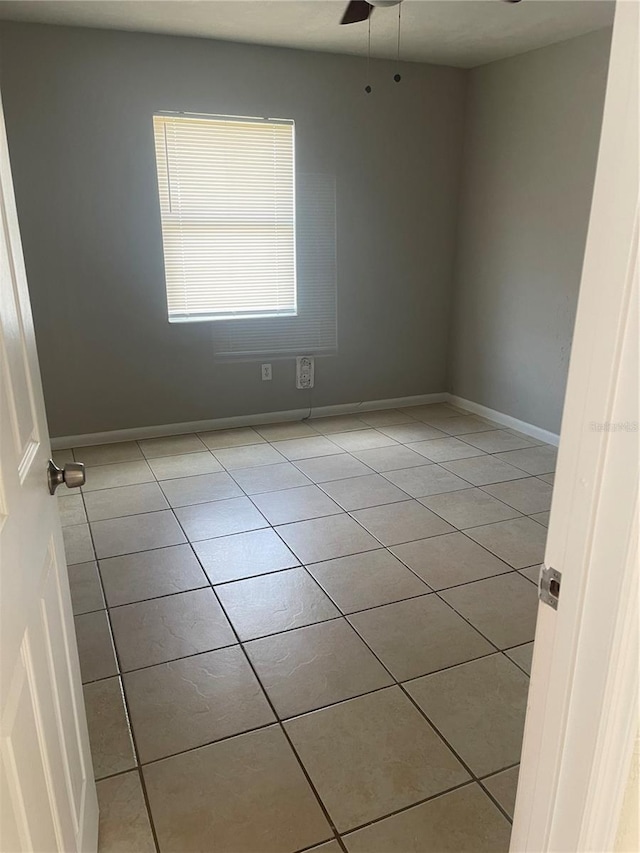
(78, 106)
(531, 142)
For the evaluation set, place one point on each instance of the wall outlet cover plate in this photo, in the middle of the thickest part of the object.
(305, 371)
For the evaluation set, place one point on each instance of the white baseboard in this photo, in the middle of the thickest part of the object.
(373, 405)
(137, 433)
(505, 420)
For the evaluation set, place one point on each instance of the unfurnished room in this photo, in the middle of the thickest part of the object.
(319, 407)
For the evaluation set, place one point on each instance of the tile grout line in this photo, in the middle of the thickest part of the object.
(261, 440)
(268, 524)
(341, 615)
(125, 704)
(415, 704)
(340, 450)
(275, 713)
(279, 719)
(310, 563)
(475, 628)
(273, 527)
(387, 548)
(469, 783)
(286, 719)
(408, 499)
(349, 512)
(340, 511)
(208, 582)
(286, 734)
(337, 618)
(405, 692)
(424, 715)
(275, 530)
(320, 486)
(280, 722)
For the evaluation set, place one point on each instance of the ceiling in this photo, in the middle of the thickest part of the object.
(462, 33)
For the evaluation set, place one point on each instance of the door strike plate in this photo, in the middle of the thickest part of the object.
(549, 588)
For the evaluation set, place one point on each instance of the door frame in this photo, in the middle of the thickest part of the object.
(582, 719)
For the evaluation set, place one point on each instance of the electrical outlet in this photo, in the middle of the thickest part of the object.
(305, 371)
(266, 372)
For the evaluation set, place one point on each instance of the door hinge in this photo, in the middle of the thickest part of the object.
(549, 588)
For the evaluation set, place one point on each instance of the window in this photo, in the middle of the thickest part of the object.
(227, 204)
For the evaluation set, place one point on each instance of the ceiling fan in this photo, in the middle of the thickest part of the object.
(359, 10)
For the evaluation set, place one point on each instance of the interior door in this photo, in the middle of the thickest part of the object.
(582, 717)
(47, 793)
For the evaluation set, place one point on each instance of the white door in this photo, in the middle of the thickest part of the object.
(582, 717)
(47, 793)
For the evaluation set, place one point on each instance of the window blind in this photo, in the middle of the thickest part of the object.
(227, 203)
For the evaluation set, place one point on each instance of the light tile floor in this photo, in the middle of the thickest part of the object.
(309, 636)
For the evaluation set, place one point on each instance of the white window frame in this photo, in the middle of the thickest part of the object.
(169, 219)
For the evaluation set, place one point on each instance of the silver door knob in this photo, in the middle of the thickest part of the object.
(72, 475)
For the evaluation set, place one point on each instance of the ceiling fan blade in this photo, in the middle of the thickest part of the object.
(357, 10)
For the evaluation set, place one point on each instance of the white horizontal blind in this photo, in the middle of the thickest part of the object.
(227, 204)
(314, 330)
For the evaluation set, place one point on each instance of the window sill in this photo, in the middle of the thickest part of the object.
(213, 318)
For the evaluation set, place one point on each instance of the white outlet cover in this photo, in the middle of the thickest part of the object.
(305, 371)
